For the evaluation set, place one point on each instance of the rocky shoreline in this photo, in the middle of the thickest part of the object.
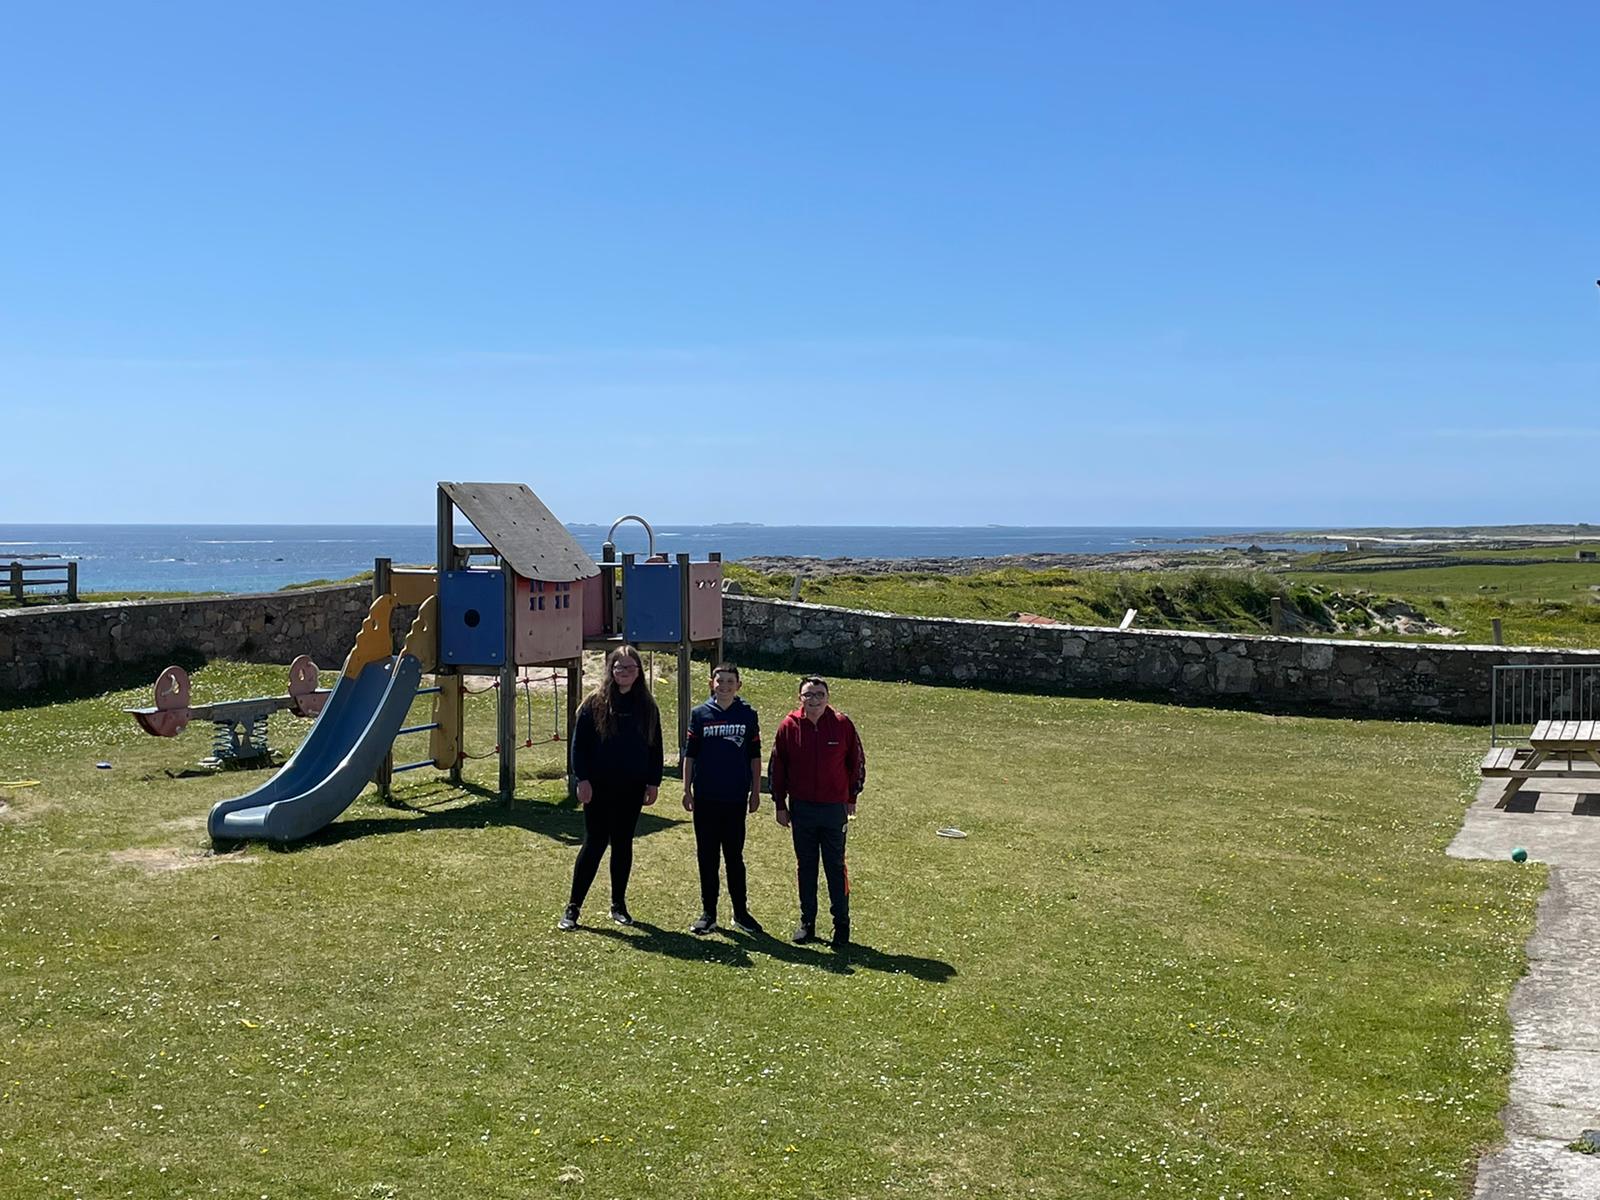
(1129, 560)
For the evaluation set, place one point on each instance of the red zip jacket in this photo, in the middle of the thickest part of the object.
(822, 763)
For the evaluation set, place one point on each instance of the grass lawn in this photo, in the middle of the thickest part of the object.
(1183, 953)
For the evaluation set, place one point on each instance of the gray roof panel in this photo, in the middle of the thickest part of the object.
(523, 532)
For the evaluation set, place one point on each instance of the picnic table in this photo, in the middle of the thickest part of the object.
(1576, 744)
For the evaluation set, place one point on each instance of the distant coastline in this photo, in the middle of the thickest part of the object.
(252, 558)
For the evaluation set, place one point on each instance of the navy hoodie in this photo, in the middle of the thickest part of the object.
(722, 742)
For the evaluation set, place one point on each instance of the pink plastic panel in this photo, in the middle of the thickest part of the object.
(593, 593)
(705, 601)
(549, 622)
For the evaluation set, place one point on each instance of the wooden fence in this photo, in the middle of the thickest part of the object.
(22, 576)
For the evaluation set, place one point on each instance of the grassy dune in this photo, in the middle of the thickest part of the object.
(1555, 602)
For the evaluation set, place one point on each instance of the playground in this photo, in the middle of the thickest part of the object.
(1233, 961)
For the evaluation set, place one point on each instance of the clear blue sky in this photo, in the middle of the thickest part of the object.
(1253, 264)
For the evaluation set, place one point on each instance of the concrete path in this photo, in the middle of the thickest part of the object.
(1555, 1008)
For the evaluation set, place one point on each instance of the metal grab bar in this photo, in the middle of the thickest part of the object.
(651, 533)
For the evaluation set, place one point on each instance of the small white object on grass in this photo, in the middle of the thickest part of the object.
(950, 831)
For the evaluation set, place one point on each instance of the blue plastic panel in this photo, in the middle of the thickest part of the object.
(472, 618)
(654, 599)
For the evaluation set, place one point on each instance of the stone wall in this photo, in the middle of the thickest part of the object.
(72, 643)
(75, 643)
(1391, 679)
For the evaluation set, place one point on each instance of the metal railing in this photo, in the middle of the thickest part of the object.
(1522, 696)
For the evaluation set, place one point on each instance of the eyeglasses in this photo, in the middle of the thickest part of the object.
(625, 667)
(817, 696)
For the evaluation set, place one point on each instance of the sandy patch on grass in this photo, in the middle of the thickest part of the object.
(158, 860)
(19, 805)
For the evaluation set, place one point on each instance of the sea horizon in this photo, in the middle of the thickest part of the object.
(170, 557)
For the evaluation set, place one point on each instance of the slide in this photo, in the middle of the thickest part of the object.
(341, 754)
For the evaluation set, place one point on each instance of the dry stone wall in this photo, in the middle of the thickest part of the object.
(1359, 678)
(72, 643)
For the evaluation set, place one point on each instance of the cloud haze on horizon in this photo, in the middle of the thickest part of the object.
(1248, 266)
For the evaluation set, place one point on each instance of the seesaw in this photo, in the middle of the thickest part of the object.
(240, 733)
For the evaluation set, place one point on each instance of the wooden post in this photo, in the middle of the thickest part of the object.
(608, 589)
(620, 612)
(72, 581)
(506, 727)
(794, 588)
(1494, 629)
(382, 573)
(1277, 614)
(16, 581)
(685, 653)
(1127, 618)
(455, 695)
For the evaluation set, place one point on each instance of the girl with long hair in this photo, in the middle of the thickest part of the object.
(616, 759)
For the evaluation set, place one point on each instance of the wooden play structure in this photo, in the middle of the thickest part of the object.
(526, 596)
(656, 604)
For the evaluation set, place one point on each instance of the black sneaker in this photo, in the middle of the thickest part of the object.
(745, 923)
(569, 917)
(841, 937)
(620, 914)
(703, 924)
(804, 933)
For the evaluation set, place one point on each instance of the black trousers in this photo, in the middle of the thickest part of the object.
(608, 820)
(719, 835)
(819, 833)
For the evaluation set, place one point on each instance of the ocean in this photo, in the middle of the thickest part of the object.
(254, 558)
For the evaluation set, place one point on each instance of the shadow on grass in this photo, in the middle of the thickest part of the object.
(736, 949)
(652, 939)
(858, 956)
(560, 821)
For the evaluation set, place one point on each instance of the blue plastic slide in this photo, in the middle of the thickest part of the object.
(338, 758)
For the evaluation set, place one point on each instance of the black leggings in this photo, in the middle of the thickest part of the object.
(608, 820)
(718, 834)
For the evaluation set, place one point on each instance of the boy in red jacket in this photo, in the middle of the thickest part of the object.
(818, 764)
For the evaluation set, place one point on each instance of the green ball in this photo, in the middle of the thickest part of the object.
(1519, 855)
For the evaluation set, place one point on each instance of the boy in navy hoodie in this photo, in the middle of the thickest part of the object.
(721, 783)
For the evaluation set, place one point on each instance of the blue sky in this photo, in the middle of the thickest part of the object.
(1253, 264)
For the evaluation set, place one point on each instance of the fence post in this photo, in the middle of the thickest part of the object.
(16, 581)
(1494, 628)
(72, 581)
(1277, 614)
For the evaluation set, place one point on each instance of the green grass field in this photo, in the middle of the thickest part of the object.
(1182, 953)
(1550, 603)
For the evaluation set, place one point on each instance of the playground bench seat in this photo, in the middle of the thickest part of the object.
(1500, 762)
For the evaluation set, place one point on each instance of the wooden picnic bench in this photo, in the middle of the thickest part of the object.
(1576, 744)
